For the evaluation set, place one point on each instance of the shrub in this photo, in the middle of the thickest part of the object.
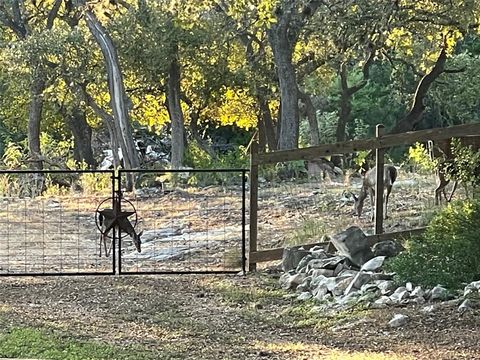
(447, 253)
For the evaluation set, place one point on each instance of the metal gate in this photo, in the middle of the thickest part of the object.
(59, 222)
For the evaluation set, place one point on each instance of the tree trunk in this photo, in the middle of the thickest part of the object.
(198, 138)
(345, 108)
(35, 117)
(414, 116)
(176, 115)
(118, 96)
(289, 118)
(82, 137)
(311, 117)
(267, 122)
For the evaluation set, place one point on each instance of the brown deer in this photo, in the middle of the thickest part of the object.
(442, 149)
(127, 227)
(368, 188)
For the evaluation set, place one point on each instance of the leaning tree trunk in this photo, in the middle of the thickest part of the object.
(123, 128)
(176, 115)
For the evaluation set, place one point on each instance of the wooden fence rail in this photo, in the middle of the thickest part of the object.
(277, 253)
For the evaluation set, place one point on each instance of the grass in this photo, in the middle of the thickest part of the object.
(44, 344)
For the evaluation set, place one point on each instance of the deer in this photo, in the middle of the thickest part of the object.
(442, 149)
(368, 188)
(127, 227)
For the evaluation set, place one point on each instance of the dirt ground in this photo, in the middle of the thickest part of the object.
(226, 317)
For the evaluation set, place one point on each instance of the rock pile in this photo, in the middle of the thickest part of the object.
(354, 275)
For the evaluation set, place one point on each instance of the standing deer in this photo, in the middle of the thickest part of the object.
(442, 149)
(127, 227)
(368, 188)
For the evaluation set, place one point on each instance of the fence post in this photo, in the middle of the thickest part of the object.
(379, 163)
(253, 201)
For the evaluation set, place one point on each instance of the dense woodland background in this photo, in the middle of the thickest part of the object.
(195, 79)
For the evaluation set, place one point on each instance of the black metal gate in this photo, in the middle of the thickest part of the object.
(59, 222)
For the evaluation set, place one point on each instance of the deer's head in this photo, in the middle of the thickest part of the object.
(138, 241)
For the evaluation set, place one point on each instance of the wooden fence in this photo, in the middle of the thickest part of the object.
(378, 143)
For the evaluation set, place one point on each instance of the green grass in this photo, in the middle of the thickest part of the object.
(44, 344)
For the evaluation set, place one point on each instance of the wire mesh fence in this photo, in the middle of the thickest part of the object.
(48, 228)
(191, 221)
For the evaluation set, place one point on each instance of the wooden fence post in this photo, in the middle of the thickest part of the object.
(252, 266)
(379, 163)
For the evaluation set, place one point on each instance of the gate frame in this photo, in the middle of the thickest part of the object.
(60, 273)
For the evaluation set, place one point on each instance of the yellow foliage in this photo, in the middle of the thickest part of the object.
(238, 108)
(150, 111)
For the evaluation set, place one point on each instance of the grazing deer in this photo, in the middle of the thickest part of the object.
(127, 227)
(368, 188)
(442, 149)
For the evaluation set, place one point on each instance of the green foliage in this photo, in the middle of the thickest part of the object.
(199, 159)
(419, 156)
(447, 253)
(34, 343)
(464, 167)
(15, 155)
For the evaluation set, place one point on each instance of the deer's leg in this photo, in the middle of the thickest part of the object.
(372, 202)
(455, 183)
(389, 189)
(441, 184)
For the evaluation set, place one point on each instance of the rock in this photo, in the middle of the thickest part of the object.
(305, 285)
(428, 309)
(289, 281)
(417, 300)
(338, 269)
(358, 281)
(324, 272)
(320, 293)
(348, 272)
(472, 290)
(399, 295)
(381, 302)
(468, 305)
(341, 286)
(304, 296)
(292, 257)
(321, 280)
(418, 292)
(319, 252)
(383, 276)
(439, 293)
(373, 264)
(387, 248)
(328, 263)
(349, 299)
(386, 287)
(303, 263)
(353, 244)
(369, 288)
(398, 320)
(409, 286)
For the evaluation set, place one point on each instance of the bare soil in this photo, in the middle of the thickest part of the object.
(219, 317)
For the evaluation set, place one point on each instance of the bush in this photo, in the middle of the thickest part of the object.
(447, 253)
